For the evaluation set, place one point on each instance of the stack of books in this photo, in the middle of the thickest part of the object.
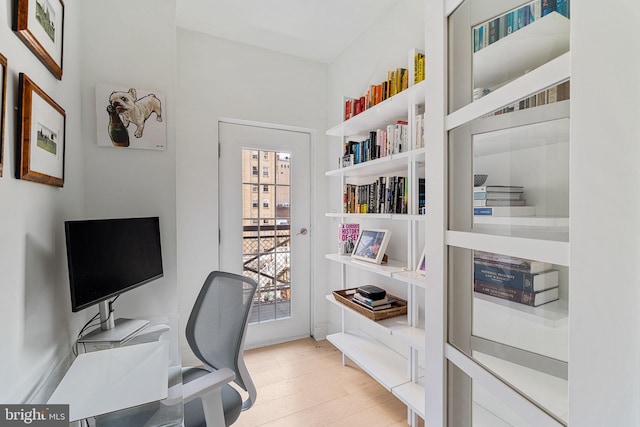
(500, 200)
(531, 283)
(372, 297)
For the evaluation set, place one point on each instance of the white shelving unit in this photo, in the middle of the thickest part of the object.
(396, 367)
(495, 344)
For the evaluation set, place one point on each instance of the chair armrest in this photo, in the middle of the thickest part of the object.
(206, 383)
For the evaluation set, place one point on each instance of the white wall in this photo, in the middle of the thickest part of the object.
(219, 78)
(36, 323)
(132, 44)
(604, 343)
(383, 47)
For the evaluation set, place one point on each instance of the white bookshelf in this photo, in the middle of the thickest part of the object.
(382, 361)
(412, 395)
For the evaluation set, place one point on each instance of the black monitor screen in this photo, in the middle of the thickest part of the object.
(110, 256)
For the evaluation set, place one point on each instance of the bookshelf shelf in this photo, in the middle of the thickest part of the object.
(382, 114)
(412, 394)
(379, 361)
(395, 217)
(559, 223)
(388, 269)
(395, 163)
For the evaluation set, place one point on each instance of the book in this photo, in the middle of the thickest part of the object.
(498, 202)
(515, 263)
(493, 195)
(533, 299)
(371, 302)
(516, 279)
(498, 189)
(505, 211)
(347, 236)
(368, 307)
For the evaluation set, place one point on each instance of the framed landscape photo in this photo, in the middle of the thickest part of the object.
(41, 143)
(40, 25)
(371, 245)
(3, 105)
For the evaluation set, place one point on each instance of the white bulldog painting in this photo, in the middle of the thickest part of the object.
(130, 117)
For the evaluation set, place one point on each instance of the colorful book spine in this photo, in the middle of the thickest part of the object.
(347, 237)
(533, 299)
(515, 279)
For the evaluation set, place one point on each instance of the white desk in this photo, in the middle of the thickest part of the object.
(150, 360)
(101, 382)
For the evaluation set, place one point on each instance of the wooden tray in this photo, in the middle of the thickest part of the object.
(398, 306)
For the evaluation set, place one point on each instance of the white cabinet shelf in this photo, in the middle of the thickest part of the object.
(379, 361)
(521, 51)
(549, 74)
(553, 314)
(382, 114)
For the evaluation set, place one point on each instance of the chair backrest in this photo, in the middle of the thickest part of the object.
(218, 323)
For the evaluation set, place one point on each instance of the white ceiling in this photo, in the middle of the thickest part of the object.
(314, 29)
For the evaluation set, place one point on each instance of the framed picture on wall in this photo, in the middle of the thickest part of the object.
(3, 105)
(40, 25)
(130, 117)
(371, 245)
(41, 143)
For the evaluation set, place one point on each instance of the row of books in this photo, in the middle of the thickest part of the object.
(500, 200)
(557, 93)
(385, 195)
(418, 67)
(531, 283)
(393, 139)
(493, 30)
(397, 81)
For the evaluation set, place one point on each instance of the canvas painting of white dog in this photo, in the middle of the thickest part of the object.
(130, 117)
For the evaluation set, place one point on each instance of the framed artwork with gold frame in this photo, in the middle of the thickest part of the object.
(40, 25)
(41, 143)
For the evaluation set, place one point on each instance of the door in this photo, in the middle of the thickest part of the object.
(264, 210)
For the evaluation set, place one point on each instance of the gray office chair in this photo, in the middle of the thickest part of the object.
(215, 332)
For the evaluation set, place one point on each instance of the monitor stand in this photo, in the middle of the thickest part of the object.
(124, 328)
(111, 331)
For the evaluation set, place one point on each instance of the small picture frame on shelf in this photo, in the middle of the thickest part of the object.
(41, 143)
(40, 25)
(371, 245)
(421, 267)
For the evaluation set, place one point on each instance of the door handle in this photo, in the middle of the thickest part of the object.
(303, 231)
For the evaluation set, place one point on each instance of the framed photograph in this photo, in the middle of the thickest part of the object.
(40, 25)
(3, 105)
(40, 153)
(371, 245)
(130, 117)
(422, 264)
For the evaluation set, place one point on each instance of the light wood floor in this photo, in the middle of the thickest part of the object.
(303, 383)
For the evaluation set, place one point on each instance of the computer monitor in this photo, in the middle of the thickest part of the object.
(107, 257)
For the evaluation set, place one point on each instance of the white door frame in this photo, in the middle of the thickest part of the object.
(312, 149)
